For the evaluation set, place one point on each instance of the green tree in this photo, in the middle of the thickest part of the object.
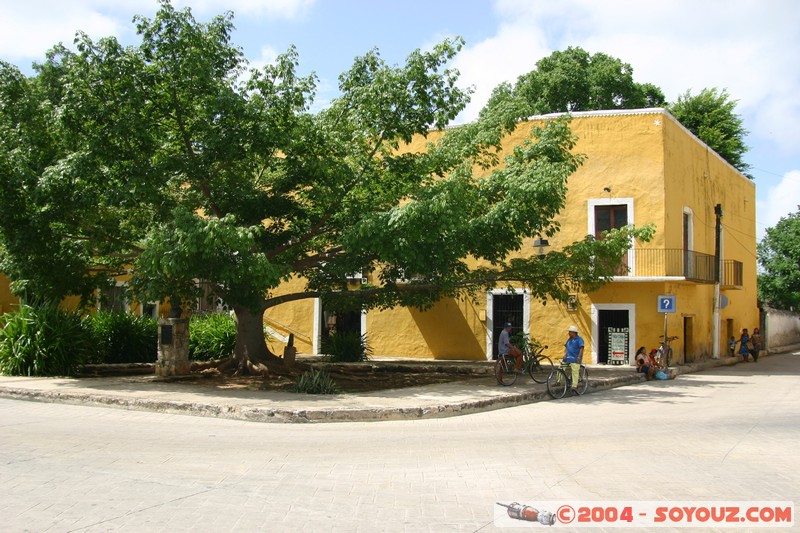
(711, 115)
(170, 159)
(574, 80)
(779, 257)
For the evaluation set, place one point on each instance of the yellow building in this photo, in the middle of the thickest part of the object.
(8, 302)
(642, 167)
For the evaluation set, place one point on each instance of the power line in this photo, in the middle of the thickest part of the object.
(768, 171)
(785, 176)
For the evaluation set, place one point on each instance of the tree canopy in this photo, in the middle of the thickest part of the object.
(574, 80)
(779, 257)
(711, 115)
(172, 162)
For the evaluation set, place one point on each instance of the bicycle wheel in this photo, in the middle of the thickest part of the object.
(557, 384)
(583, 380)
(668, 356)
(505, 370)
(540, 368)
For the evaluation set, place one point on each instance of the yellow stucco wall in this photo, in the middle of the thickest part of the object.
(8, 302)
(698, 178)
(295, 318)
(644, 159)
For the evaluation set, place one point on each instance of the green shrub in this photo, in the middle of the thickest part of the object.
(346, 347)
(211, 336)
(125, 338)
(525, 342)
(316, 382)
(44, 341)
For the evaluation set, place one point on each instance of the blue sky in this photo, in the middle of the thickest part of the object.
(749, 47)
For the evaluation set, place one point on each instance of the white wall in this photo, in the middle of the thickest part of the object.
(782, 330)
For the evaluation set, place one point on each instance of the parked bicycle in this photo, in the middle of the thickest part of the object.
(664, 352)
(534, 363)
(560, 381)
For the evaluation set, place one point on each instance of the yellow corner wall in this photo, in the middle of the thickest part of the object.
(645, 157)
(697, 177)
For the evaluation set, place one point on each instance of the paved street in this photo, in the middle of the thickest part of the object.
(728, 433)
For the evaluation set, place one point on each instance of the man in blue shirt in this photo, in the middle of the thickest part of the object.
(573, 354)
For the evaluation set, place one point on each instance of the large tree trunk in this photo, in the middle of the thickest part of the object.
(251, 354)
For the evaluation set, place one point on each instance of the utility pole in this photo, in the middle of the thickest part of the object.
(717, 271)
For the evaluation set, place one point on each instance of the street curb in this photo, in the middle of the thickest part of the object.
(290, 415)
(333, 414)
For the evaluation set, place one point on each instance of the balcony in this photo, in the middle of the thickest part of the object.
(686, 264)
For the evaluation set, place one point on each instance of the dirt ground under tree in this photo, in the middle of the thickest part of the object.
(350, 377)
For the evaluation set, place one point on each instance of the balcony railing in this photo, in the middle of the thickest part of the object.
(674, 262)
(677, 262)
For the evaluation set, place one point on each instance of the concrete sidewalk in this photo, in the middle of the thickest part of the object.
(428, 401)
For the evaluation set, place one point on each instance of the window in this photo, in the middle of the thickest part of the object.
(356, 277)
(608, 217)
(209, 301)
(612, 213)
(113, 299)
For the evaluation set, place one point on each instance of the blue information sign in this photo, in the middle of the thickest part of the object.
(666, 303)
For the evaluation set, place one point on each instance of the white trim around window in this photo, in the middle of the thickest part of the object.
(628, 202)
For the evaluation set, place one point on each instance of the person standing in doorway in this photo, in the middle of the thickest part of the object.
(573, 354)
(504, 346)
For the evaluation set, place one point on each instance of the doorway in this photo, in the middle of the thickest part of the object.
(688, 339)
(330, 321)
(608, 320)
(507, 308)
(504, 305)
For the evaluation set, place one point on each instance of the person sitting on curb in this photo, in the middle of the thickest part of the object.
(645, 364)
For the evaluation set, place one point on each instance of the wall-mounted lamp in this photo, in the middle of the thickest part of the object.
(541, 244)
(572, 302)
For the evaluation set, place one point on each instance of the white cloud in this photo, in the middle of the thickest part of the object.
(29, 28)
(781, 200)
(504, 57)
(267, 57)
(287, 9)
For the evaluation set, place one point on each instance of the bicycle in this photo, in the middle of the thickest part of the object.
(534, 363)
(664, 352)
(560, 381)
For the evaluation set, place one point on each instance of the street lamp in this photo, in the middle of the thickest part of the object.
(541, 244)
